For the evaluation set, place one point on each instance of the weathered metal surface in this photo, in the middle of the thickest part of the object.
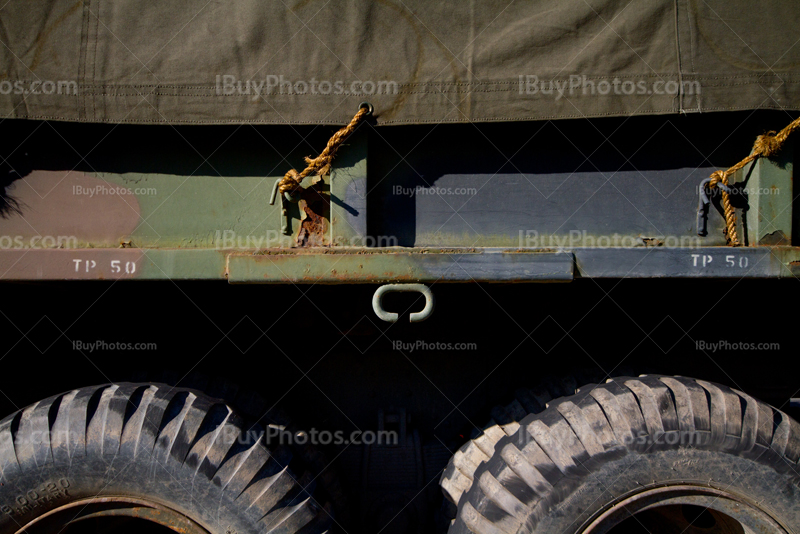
(438, 202)
(73, 206)
(106, 210)
(111, 264)
(145, 210)
(398, 265)
(662, 262)
(348, 181)
(434, 203)
(314, 212)
(463, 223)
(357, 265)
(550, 209)
(546, 185)
(765, 191)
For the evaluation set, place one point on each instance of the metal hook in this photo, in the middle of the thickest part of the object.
(274, 192)
(702, 208)
(391, 317)
(288, 196)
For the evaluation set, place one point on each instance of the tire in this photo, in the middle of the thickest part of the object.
(568, 468)
(176, 448)
(254, 408)
(459, 474)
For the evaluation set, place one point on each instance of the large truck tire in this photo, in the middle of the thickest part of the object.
(147, 452)
(255, 408)
(667, 450)
(457, 477)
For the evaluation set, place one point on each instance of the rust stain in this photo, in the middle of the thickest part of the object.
(652, 242)
(315, 209)
(372, 278)
(312, 229)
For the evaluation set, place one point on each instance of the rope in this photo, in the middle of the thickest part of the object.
(766, 145)
(321, 165)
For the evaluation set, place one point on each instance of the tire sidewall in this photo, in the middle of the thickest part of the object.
(29, 495)
(584, 496)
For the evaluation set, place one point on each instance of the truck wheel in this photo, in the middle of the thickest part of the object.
(669, 451)
(146, 455)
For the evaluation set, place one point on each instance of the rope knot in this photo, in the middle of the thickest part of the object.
(721, 178)
(767, 144)
(716, 177)
(290, 182)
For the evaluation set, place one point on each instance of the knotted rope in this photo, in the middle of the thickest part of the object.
(321, 165)
(766, 145)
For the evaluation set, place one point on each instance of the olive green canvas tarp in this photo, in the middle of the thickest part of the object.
(417, 61)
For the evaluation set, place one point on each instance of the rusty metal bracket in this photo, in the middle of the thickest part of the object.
(391, 317)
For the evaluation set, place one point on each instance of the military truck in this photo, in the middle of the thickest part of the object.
(399, 267)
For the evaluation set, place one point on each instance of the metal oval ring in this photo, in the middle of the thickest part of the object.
(391, 317)
(370, 107)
